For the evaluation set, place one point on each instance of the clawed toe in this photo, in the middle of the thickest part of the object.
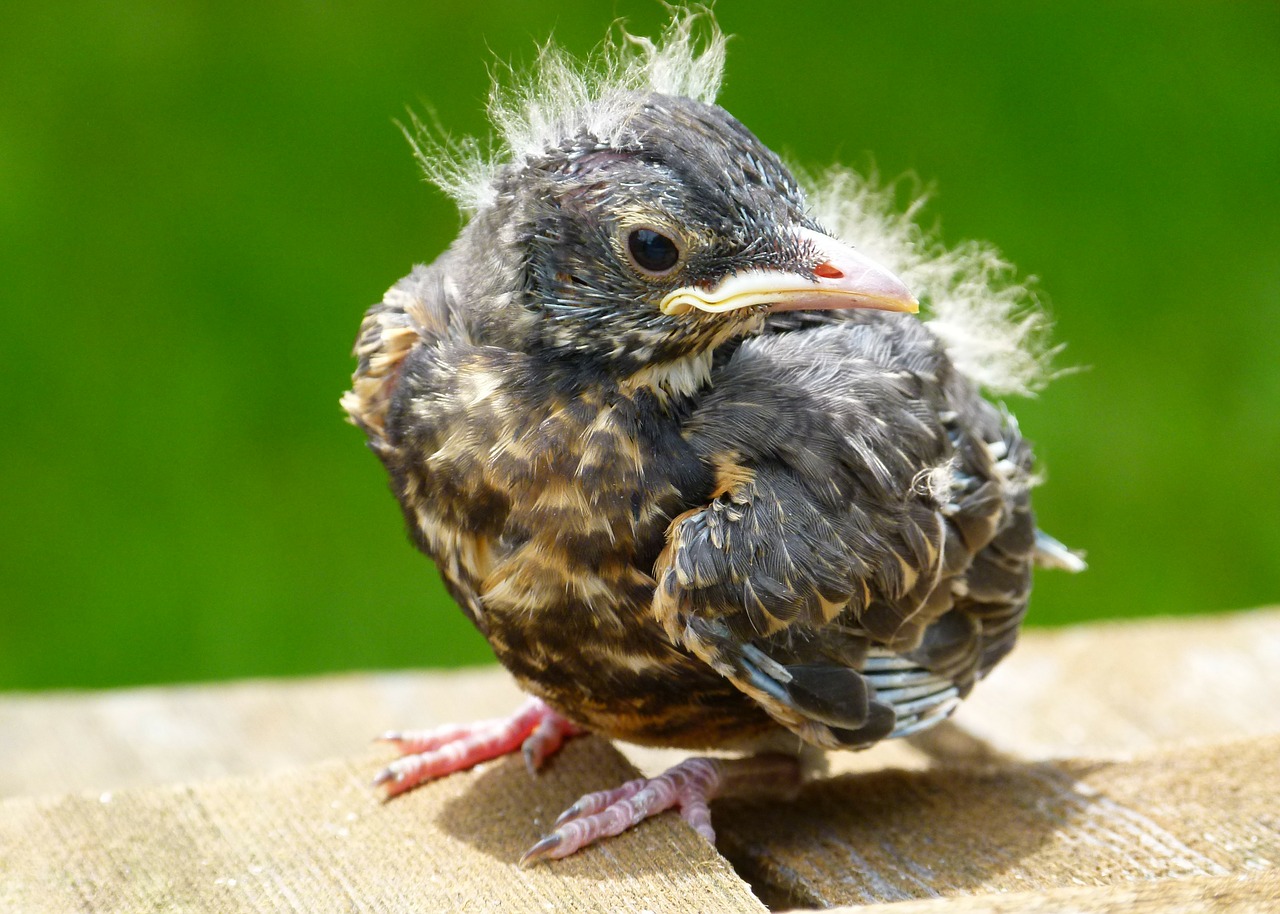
(689, 786)
(535, 729)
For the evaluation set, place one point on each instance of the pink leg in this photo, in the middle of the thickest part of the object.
(534, 728)
(688, 786)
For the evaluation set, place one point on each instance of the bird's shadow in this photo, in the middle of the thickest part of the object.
(965, 823)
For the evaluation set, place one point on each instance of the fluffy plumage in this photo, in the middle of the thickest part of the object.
(562, 97)
(683, 506)
(973, 300)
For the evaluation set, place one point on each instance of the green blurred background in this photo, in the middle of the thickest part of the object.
(198, 200)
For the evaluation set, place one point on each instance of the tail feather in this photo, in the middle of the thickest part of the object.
(1052, 554)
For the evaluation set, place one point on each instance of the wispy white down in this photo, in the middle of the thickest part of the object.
(938, 482)
(988, 320)
(561, 97)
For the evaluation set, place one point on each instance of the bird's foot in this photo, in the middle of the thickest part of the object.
(688, 786)
(534, 728)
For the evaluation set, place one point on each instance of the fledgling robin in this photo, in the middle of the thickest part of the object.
(684, 454)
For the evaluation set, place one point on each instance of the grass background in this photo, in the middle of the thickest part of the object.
(198, 200)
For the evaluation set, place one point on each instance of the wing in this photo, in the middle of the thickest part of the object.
(866, 553)
(415, 310)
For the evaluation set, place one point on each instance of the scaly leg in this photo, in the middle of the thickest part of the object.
(535, 729)
(688, 786)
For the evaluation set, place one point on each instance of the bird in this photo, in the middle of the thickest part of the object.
(668, 420)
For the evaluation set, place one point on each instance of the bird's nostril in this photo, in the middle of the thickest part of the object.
(828, 270)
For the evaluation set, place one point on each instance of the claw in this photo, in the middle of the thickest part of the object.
(573, 812)
(546, 740)
(544, 848)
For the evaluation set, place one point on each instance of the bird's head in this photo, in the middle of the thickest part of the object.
(660, 248)
(632, 225)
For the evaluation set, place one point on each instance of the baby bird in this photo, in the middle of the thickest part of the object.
(684, 454)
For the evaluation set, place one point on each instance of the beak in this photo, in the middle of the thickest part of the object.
(843, 278)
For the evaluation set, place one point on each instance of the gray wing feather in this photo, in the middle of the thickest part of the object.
(873, 557)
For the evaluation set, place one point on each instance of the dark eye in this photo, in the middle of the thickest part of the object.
(652, 251)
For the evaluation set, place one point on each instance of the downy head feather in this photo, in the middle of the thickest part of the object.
(986, 318)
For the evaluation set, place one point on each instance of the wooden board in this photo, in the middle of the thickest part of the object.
(1103, 766)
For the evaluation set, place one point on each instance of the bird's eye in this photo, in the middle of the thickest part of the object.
(652, 251)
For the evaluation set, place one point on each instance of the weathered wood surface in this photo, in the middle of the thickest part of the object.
(1013, 826)
(65, 741)
(1109, 765)
(1245, 894)
(315, 840)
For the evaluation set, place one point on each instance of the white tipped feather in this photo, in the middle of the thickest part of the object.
(562, 98)
(1052, 554)
(987, 320)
